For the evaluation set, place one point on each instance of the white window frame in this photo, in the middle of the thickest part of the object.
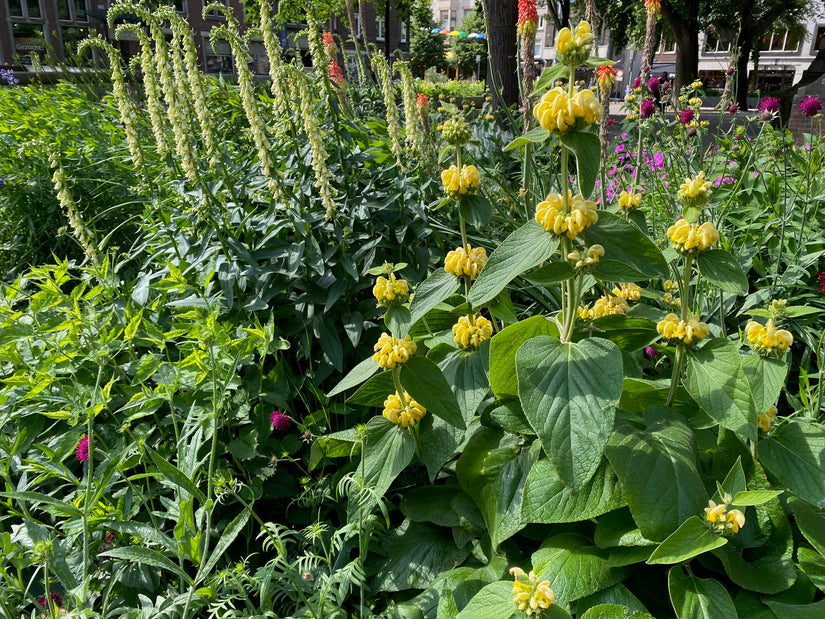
(380, 29)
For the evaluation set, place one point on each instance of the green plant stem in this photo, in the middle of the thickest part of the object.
(675, 375)
(89, 479)
(396, 381)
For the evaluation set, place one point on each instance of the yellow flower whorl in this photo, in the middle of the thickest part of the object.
(688, 238)
(573, 47)
(530, 595)
(588, 258)
(688, 332)
(456, 131)
(766, 340)
(628, 292)
(390, 292)
(404, 416)
(470, 331)
(559, 112)
(550, 214)
(465, 261)
(630, 199)
(695, 191)
(390, 351)
(604, 306)
(456, 183)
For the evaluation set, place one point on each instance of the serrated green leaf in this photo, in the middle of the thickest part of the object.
(659, 477)
(569, 393)
(754, 497)
(688, 541)
(503, 347)
(388, 450)
(522, 250)
(766, 377)
(716, 381)
(494, 601)
(546, 499)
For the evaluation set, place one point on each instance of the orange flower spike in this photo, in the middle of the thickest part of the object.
(606, 75)
(528, 18)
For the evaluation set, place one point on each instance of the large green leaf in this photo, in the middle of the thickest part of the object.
(795, 454)
(424, 381)
(534, 136)
(494, 601)
(417, 553)
(722, 269)
(432, 291)
(797, 611)
(388, 450)
(624, 242)
(697, 598)
(689, 540)
(811, 523)
(613, 611)
(766, 377)
(446, 506)
(439, 441)
(574, 567)
(629, 333)
(356, 376)
(569, 393)
(813, 564)
(492, 470)
(375, 391)
(588, 151)
(659, 477)
(546, 499)
(503, 348)
(147, 556)
(548, 76)
(467, 372)
(523, 249)
(716, 381)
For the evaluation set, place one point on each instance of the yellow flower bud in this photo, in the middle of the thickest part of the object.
(390, 351)
(469, 261)
(767, 340)
(390, 292)
(690, 238)
(471, 331)
(551, 215)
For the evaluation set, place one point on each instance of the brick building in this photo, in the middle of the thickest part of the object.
(48, 31)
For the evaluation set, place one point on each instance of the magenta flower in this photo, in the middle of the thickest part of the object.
(730, 70)
(810, 105)
(280, 421)
(650, 351)
(732, 109)
(81, 452)
(56, 598)
(770, 104)
(648, 108)
(686, 116)
(653, 84)
(820, 276)
(637, 82)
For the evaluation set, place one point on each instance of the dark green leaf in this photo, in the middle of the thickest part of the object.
(549, 76)
(766, 377)
(797, 611)
(522, 250)
(356, 376)
(398, 321)
(588, 151)
(550, 273)
(374, 391)
(494, 601)
(696, 598)
(534, 136)
(439, 286)
(389, 449)
(425, 382)
(688, 541)
(722, 269)
(795, 454)
(569, 392)
(147, 556)
(503, 347)
(624, 242)
(476, 210)
(629, 333)
(174, 475)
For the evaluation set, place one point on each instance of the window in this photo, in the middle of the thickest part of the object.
(667, 46)
(782, 41)
(218, 13)
(819, 41)
(72, 10)
(445, 16)
(24, 8)
(358, 25)
(466, 13)
(71, 37)
(537, 50)
(381, 27)
(715, 44)
(403, 32)
(28, 42)
(453, 19)
(541, 22)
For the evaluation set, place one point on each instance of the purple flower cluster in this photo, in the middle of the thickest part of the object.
(280, 421)
(810, 105)
(8, 75)
(648, 107)
(82, 449)
(724, 180)
(686, 116)
(653, 84)
(770, 104)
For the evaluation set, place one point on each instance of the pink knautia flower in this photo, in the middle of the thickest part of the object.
(770, 104)
(686, 116)
(653, 84)
(610, 122)
(280, 421)
(81, 452)
(732, 109)
(650, 351)
(810, 105)
(637, 82)
(55, 597)
(619, 149)
(647, 109)
(820, 277)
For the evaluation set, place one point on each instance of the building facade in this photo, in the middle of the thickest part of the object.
(48, 31)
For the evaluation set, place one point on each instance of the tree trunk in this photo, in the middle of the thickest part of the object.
(649, 50)
(501, 28)
(686, 32)
(744, 42)
(387, 29)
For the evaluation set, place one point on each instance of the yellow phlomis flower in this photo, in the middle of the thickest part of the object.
(560, 112)
(469, 261)
(471, 331)
(604, 306)
(628, 292)
(767, 419)
(630, 200)
(688, 332)
(589, 257)
(456, 130)
(691, 238)
(697, 84)
(696, 101)
(390, 351)
(460, 184)
(530, 595)
(398, 413)
(767, 340)
(723, 521)
(550, 214)
(695, 191)
(573, 47)
(390, 292)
